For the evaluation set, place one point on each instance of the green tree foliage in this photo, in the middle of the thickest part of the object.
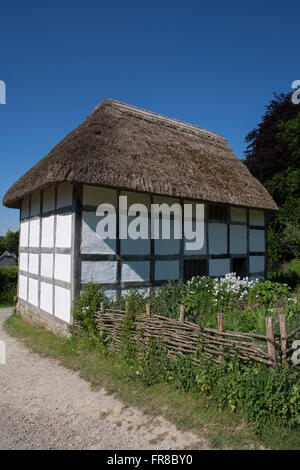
(273, 156)
(10, 242)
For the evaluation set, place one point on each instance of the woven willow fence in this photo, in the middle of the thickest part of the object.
(183, 338)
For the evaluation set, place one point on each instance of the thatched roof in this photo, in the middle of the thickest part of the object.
(126, 147)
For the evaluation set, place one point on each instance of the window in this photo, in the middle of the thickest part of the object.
(218, 213)
(194, 267)
(239, 266)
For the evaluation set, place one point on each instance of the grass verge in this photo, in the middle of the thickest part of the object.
(187, 411)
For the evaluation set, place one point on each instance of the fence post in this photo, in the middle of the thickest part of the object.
(126, 305)
(270, 340)
(182, 310)
(101, 308)
(283, 335)
(220, 329)
(148, 311)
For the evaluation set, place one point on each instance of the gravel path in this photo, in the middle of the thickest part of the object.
(45, 406)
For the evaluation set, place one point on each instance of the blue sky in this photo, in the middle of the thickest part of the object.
(213, 64)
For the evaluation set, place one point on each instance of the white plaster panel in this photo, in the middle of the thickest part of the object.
(203, 249)
(171, 246)
(90, 241)
(63, 303)
(99, 271)
(238, 239)
(256, 218)
(62, 269)
(34, 233)
(135, 271)
(35, 203)
(33, 290)
(63, 230)
(219, 267)
(166, 270)
(24, 234)
(33, 265)
(257, 264)
(47, 264)
(48, 231)
(49, 199)
(64, 195)
(93, 196)
(256, 240)
(23, 261)
(166, 247)
(217, 238)
(46, 297)
(22, 287)
(25, 207)
(137, 247)
(145, 292)
(238, 214)
(111, 294)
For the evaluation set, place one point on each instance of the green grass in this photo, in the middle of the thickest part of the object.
(187, 411)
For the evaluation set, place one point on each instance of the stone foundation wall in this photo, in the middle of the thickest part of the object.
(51, 323)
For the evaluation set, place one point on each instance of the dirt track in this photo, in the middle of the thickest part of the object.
(45, 406)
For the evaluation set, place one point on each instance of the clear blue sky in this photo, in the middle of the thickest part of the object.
(214, 64)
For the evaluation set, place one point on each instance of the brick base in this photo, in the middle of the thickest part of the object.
(50, 322)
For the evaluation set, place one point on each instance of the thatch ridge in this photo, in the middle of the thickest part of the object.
(121, 146)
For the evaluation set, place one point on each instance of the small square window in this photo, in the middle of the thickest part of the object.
(218, 213)
(239, 266)
(194, 267)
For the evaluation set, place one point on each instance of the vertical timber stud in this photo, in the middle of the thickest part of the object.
(247, 243)
(181, 248)
(266, 247)
(152, 249)
(148, 311)
(220, 330)
(118, 248)
(270, 340)
(283, 335)
(76, 241)
(182, 310)
(40, 249)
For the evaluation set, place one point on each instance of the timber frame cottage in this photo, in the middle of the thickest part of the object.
(123, 150)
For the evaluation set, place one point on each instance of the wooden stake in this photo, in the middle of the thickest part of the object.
(182, 310)
(148, 311)
(283, 335)
(126, 305)
(220, 329)
(270, 340)
(102, 307)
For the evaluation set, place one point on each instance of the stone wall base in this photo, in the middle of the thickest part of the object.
(50, 322)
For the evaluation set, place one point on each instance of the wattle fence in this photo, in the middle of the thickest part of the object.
(183, 338)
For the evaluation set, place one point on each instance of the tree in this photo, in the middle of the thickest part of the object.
(273, 156)
(10, 242)
(266, 153)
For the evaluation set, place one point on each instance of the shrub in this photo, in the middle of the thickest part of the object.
(8, 284)
(85, 306)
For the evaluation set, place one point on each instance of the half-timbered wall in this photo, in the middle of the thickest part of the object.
(117, 265)
(60, 249)
(46, 251)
